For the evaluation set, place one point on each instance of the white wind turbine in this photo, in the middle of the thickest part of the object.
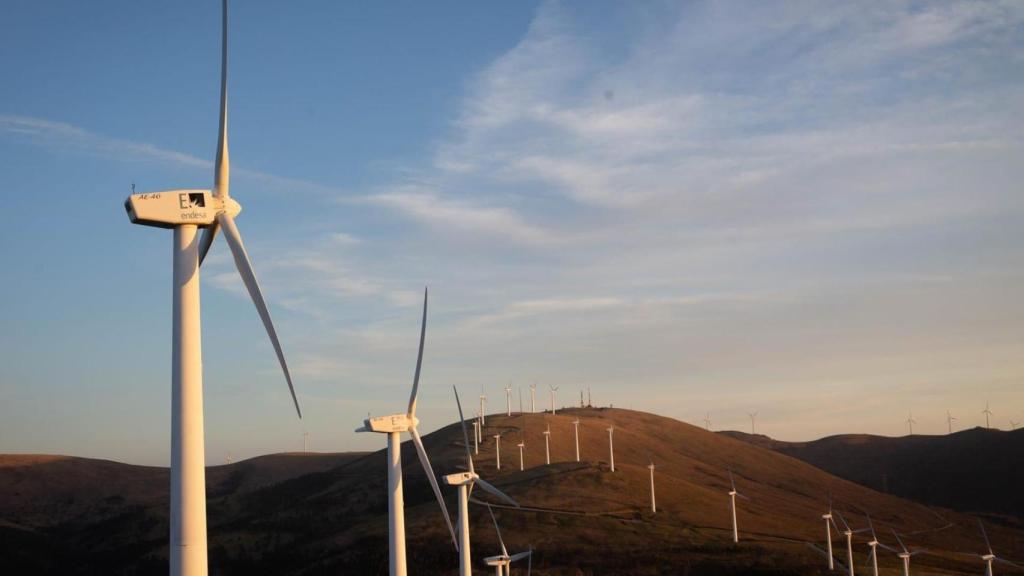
(553, 390)
(949, 421)
(829, 523)
(186, 211)
(753, 422)
(476, 437)
(533, 398)
(654, 506)
(522, 446)
(503, 562)
(483, 417)
(903, 554)
(393, 426)
(910, 422)
(497, 451)
(581, 398)
(547, 445)
(849, 532)
(611, 446)
(733, 493)
(576, 434)
(873, 544)
(508, 399)
(707, 421)
(520, 399)
(987, 413)
(465, 481)
(991, 557)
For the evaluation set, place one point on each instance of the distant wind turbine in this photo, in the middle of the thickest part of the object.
(503, 562)
(903, 554)
(707, 421)
(732, 506)
(483, 415)
(466, 481)
(497, 451)
(849, 532)
(533, 398)
(829, 523)
(476, 437)
(753, 422)
(520, 399)
(547, 445)
(987, 413)
(305, 442)
(991, 557)
(911, 422)
(1014, 424)
(590, 402)
(654, 506)
(393, 426)
(522, 446)
(508, 399)
(553, 390)
(611, 446)
(949, 421)
(873, 544)
(576, 434)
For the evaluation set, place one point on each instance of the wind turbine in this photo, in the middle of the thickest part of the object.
(483, 416)
(547, 445)
(991, 557)
(533, 398)
(654, 506)
(732, 506)
(186, 211)
(508, 399)
(903, 553)
(465, 481)
(590, 403)
(522, 446)
(497, 451)
(949, 421)
(476, 437)
(987, 413)
(873, 558)
(911, 422)
(707, 421)
(553, 390)
(305, 441)
(576, 434)
(520, 399)
(503, 562)
(829, 523)
(753, 422)
(848, 532)
(393, 426)
(611, 446)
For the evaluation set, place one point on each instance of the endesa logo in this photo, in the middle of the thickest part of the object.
(191, 200)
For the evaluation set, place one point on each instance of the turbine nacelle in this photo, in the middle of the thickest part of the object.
(460, 478)
(170, 208)
(988, 557)
(389, 424)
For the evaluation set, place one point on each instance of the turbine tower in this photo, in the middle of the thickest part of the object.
(654, 506)
(949, 421)
(508, 399)
(553, 390)
(873, 557)
(707, 421)
(186, 211)
(465, 481)
(393, 426)
(732, 506)
(521, 445)
(533, 398)
(753, 422)
(911, 422)
(849, 532)
(987, 413)
(476, 437)
(903, 554)
(547, 445)
(576, 434)
(305, 441)
(611, 446)
(829, 523)
(483, 417)
(590, 402)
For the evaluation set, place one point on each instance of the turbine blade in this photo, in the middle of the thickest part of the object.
(529, 563)
(519, 556)
(731, 481)
(419, 360)
(425, 462)
(504, 552)
(222, 167)
(985, 534)
(206, 241)
(898, 539)
(488, 487)
(465, 435)
(245, 270)
(843, 520)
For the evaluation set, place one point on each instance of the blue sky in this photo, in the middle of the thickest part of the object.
(811, 210)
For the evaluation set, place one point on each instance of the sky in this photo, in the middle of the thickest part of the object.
(808, 210)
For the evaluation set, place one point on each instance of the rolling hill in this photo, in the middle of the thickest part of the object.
(977, 470)
(581, 518)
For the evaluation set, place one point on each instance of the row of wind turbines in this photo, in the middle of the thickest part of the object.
(186, 212)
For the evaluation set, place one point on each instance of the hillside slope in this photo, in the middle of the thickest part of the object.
(580, 517)
(976, 470)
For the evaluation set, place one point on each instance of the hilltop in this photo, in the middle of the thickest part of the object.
(580, 517)
(977, 470)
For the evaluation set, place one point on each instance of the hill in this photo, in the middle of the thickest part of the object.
(977, 470)
(581, 518)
